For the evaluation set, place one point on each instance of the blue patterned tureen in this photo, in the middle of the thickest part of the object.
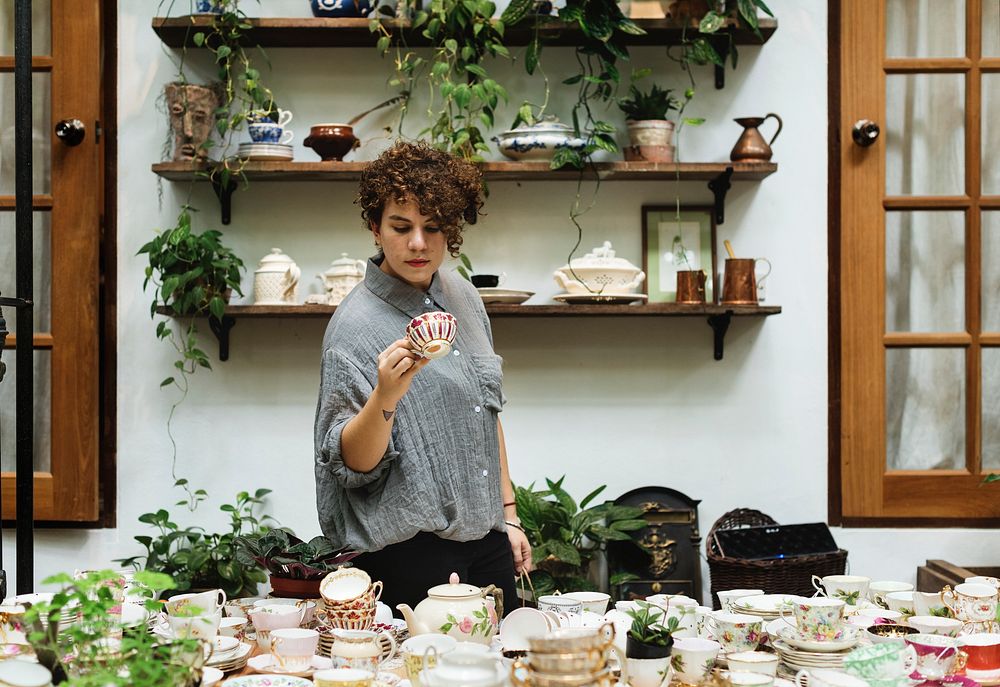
(340, 8)
(539, 141)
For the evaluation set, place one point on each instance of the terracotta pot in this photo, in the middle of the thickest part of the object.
(331, 141)
(288, 588)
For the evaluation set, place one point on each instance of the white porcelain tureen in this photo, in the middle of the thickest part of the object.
(599, 271)
(538, 141)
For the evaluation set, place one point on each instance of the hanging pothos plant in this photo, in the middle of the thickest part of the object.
(462, 96)
(705, 48)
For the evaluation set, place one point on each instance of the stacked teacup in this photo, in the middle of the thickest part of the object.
(569, 657)
(350, 599)
(196, 616)
(975, 604)
(887, 664)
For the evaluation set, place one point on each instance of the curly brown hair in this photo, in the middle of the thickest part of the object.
(445, 187)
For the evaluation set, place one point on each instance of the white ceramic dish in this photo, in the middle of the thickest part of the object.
(266, 663)
(605, 298)
(498, 295)
(790, 636)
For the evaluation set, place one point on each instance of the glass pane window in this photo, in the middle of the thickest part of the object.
(991, 28)
(41, 147)
(991, 409)
(41, 27)
(42, 412)
(925, 134)
(925, 408)
(991, 134)
(924, 272)
(42, 265)
(991, 271)
(925, 28)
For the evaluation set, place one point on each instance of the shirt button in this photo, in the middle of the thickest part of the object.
(457, 353)
(477, 409)
(427, 301)
(485, 472)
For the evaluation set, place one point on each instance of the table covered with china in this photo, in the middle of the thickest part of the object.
(854, 631)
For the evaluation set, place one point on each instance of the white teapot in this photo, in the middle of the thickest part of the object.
(459, 610)
(599, 271)
(276, 280)
(343, 275)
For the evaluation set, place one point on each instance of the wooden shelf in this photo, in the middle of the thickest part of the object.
(313, 32)
(495, 171)
(719, 315)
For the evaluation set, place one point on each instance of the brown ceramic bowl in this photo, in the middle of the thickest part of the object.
(331, 141)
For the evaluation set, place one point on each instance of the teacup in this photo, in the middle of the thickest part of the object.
(973, 603)
(414, 649)
(308, 607)
(753, 662)
(693, 658)
(573, 639)
(269, 132)
(461, 670)
(276, 617)
(936, 625)
(983, 650)
(195, 626)
(981, 579)
(901, 602)
(345, 584)
(937, 656)
(819, 618)
(232, 627)
(343, 677)
(648, 672)
(929, 603)
(736, 631)
(848, 588)
(201, 603)
(360, 649)
(11, 620)
(746, 679)
(595, 602)
(728, 596)
(826, 678)
(878, 590)
(887, 661)
(882, 614)
(294, 648)
(238, 608)
(559, 603)
(521, 623)
(432, 333)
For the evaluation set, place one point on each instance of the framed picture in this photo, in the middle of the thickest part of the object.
(671, 243)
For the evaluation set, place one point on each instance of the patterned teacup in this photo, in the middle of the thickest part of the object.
(201, 603)
(293, 648)
(848, 588)
(886, 661)
(937, 656)
(971, 602)
(728, 596)
(819, 619)
(878, 590)
(736, 631)
(692, 658)
(432, 333)
(343, 677)
(414, 649)
(983, 650)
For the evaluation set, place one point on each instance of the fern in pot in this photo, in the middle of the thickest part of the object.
(650, 132)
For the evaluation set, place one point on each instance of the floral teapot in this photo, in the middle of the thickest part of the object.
(459, 610)
(343, 275)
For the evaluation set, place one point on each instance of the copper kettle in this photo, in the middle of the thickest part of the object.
(751, 146)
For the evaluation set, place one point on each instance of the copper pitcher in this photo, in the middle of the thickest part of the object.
(739, 285)
(751, 146)
(691, 286)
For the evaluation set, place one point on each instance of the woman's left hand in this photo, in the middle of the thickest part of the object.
(521, 549)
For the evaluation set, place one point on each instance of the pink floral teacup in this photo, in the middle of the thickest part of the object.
(432, 333)
(819, 619)
(736, 631)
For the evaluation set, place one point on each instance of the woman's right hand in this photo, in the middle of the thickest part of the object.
(396, 366)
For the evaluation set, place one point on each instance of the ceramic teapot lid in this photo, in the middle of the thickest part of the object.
(344, 260)
(346, 266)
(276, 260)
(603, 256)
(454, 589)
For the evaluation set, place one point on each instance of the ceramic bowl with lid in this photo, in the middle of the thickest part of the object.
(600, 271)
(539, 141)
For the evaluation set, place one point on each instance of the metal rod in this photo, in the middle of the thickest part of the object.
(24, 255)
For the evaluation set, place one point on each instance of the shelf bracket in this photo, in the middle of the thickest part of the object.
(722, 48)
(719, 324)
(225, 195)
(221, 331)
(719, 186)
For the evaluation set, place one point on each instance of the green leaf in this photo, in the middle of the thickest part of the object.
(476, 69)
(711, 22)
(451, 45)
(564, 552)
(167, 382)
(199, 39)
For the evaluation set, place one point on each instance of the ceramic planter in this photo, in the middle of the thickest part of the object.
(650, 140)
(637, 649)
(289, 588)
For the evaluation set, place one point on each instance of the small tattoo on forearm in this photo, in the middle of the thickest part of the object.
(387, 414)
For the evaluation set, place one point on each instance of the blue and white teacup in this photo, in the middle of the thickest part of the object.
(269, 132)
(208, 7)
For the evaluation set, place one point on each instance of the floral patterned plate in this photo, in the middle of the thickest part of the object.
(791, 637)
(269, 681)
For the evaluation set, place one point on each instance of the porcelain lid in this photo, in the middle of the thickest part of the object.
(454, 589)
(276, 260)
(603, 257)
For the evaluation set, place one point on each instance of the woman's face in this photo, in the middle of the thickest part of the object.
(413, 244)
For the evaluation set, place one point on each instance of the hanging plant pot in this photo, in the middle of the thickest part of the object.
(290, 588)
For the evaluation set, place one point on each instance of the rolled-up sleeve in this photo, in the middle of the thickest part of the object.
(344, 390)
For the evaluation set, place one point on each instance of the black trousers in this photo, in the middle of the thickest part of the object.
(408, 569)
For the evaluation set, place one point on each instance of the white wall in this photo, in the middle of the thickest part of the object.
(622, 402)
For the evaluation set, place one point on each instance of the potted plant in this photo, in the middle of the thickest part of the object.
(648, 644)
(296, 567)
(82, 651)
(198, 560)
(566, 538)
(650, 133)
(480, 281)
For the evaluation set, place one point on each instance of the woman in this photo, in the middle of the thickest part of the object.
(411, 466)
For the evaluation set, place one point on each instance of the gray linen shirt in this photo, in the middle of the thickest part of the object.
(441, 470)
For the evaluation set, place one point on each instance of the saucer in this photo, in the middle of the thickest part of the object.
(764, 604)
(604, 298)
(269, 680)
(211, 676)
(498, 295)
(791, 637)
(231, 660)
(266, 663)
(266, 151)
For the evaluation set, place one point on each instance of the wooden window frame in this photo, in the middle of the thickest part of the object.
(954, 491)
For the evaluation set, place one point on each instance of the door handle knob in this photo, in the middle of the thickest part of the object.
(71, 131)
(865, 132)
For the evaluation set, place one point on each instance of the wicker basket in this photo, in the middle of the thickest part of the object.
(776, 576)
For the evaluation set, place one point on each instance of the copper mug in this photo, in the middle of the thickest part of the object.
(691, 286)
(739, 286)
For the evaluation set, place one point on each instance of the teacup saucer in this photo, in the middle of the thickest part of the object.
(605, 298)
(266, 663)
(792, 637)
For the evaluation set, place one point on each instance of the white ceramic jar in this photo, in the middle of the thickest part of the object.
(276, 280)
(343, 275)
